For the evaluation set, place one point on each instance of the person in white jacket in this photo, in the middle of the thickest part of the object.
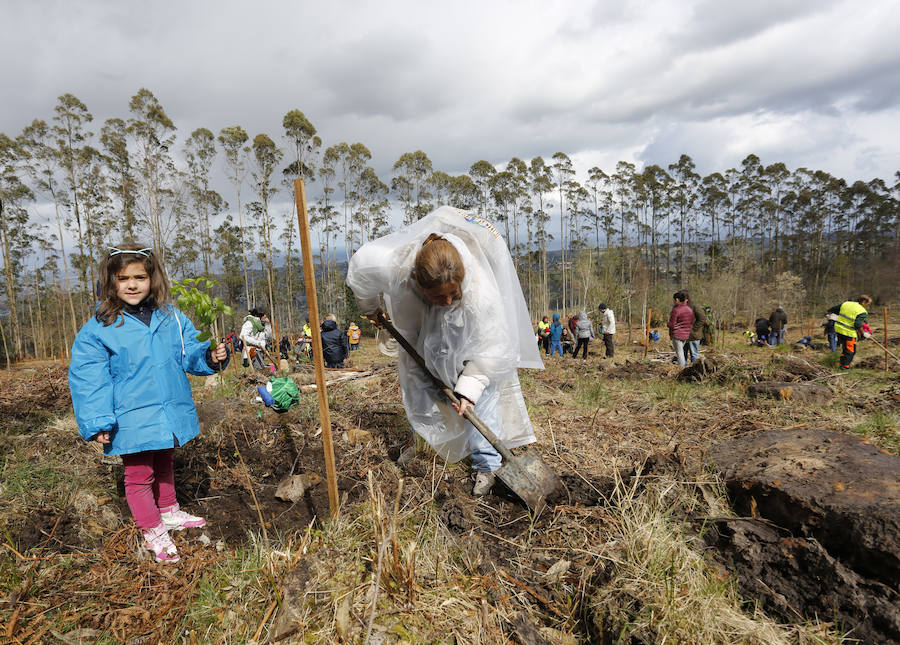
(450, 288)
(607, 328)
(255, 332)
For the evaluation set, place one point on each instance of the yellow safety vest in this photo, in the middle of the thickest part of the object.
(847, 316)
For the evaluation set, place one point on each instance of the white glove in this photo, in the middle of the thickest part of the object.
(833, 317)
(867, 334)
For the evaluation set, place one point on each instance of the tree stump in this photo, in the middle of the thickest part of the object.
(803, 392)
(800, 367)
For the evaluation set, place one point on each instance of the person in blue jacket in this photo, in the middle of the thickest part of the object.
(556, 330)
(129, 388)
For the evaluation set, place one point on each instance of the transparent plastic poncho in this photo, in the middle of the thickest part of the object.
(488, 326)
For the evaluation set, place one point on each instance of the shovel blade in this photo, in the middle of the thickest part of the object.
(531, 479)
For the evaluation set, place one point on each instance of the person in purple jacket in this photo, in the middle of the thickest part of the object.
(680, 321)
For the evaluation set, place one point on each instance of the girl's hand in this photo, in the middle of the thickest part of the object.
(219, 354)
(464, 404)
(102, 437)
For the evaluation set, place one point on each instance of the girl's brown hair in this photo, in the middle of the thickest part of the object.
(117, 259)
(437, 263)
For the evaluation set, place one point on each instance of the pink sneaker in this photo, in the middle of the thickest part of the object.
(175, 519)
(158, 542)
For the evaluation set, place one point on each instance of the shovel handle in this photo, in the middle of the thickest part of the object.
(469, 414)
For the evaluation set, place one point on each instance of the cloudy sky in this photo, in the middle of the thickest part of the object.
(810, 83)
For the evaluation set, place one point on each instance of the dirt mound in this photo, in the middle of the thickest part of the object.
(821, 532)
(805, 392)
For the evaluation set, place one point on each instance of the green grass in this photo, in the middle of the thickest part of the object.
(27, 483)
(883, 426)
(593, 394)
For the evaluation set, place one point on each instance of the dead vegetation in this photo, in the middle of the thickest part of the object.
(411, 557)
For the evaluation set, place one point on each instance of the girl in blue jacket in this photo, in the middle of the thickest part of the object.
(129, 388)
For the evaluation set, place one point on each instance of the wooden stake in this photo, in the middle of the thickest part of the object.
(309, 277)
(886, 366)
(647, 335)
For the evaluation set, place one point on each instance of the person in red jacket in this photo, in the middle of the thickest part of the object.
(680, 321)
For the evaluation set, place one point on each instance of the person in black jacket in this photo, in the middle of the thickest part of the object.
(335, 346)
(778, 321)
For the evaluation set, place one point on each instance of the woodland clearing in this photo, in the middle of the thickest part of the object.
(644, 547)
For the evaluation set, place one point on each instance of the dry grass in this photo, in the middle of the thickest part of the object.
(421, 561)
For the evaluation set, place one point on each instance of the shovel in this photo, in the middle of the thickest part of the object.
(886, 350)
(526, 475)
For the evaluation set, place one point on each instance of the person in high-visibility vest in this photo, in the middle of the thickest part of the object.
(848, 318)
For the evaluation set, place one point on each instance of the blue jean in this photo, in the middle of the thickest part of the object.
(832, 341)
(678, 346)
(694, 347)
(556, 345)
(777, 336)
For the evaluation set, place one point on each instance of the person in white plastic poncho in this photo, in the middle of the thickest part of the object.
(451, 290)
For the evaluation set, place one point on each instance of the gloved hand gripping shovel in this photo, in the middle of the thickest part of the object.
(526, 475)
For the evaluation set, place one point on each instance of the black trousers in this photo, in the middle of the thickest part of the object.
(608, 343)
(849, 350)
(582, 342)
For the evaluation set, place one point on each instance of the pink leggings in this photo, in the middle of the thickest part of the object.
(149, 485)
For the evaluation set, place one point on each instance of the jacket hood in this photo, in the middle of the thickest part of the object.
(582, 315)
(328, 325)
(555, 317)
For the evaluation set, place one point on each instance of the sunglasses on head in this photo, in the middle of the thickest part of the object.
(142, 252)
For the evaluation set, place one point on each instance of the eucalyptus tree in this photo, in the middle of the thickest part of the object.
(232, 140)
(775, 176)
(100, 223)
(154, 134)
(354, 160)
(463, 192)
(623, 186)
(287, 238)
(374, 206)
(541, 183)
(754, 192)
(482, 173)
(43, 167)
(200, 153)
(411, 186)
(301, 134)
(713, 198)
(597, 182)
(563, 171)
(122, 183)
(503, 198)
(227, 243)
(70, 130)
(267, 156)
(324, 216)
(684, 193)
(15, 239)
(657, 184)
(517, 187)
(439, 186)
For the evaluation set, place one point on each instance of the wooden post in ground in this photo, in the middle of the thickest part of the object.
(309, 277)
(647, 334)
(886, 366)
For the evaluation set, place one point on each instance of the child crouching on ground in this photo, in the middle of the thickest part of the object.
(129, 388)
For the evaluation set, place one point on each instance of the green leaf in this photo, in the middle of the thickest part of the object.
(204, 335)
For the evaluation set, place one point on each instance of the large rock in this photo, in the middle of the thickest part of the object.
(821, 526)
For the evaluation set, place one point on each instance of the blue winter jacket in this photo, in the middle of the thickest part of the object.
(555, 329)
(130, 380)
